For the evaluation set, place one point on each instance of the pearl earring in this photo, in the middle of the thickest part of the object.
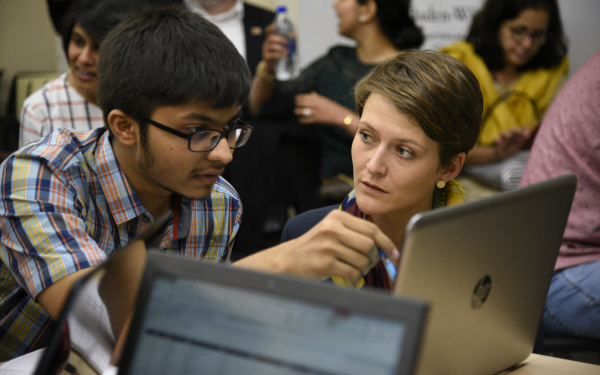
(362, 19)
(441, 184)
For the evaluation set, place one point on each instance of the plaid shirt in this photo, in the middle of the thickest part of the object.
(57, 105)
(66, 205)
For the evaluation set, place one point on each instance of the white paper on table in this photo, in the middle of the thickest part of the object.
(25, 364)
(90, 330)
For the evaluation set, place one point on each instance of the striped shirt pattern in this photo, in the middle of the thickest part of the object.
(56, 105)
(66, 206)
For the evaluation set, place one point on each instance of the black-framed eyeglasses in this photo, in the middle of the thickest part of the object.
(520, 33)
(236, 133)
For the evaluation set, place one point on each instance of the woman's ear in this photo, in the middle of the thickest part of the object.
(123, 127)
(370, 10)
(454, 168)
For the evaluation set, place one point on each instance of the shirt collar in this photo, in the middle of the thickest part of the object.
(236, 12)
(123, 202)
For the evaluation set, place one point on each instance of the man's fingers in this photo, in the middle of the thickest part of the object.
(371, 231)
(358, 236)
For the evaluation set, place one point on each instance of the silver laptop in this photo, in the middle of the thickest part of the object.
(485, 267)
(206, 318)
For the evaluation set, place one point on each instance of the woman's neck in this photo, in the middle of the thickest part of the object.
(506, 75)
(373, 47)
(92, 98)
(392, 227)
(220, 7)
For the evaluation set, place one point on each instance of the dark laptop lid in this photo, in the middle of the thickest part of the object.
(198, 317)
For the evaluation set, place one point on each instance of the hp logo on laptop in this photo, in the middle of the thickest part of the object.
(481, 292)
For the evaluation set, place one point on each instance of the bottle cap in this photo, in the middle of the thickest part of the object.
(281, 9)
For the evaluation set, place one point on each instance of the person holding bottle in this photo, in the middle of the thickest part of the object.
(257, 173)
(287, 67)
(322, 94)
(241, 22)
(517, 50)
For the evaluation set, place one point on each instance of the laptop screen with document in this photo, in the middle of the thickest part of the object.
(226, 320)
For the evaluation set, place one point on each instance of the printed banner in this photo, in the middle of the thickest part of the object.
(444, 22)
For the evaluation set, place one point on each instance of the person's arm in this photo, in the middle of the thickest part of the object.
(340, 245)
(273, 48)
(482, 154)
(506, 145)
(54, 297)
(316, 109)
(43, 231)
(31, 120)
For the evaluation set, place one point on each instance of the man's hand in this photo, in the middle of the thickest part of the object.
(340, 245)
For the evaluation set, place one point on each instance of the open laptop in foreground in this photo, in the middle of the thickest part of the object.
(485, 267)
(206, 318)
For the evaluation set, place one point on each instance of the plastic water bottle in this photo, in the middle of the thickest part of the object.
(288, 67)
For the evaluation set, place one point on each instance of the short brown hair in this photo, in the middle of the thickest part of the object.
(436, 90)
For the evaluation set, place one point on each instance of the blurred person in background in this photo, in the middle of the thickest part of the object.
(569, 142)
(70, 101)
(517, 50)
(322, 94)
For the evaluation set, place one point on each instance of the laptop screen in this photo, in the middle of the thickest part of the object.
(197, 325)
(201, 317)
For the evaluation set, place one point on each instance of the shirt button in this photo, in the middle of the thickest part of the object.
(146, 219)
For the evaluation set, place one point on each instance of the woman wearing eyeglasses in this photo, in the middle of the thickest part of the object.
(517, 50)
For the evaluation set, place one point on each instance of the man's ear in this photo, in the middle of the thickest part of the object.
(454, 168)
(124, 128)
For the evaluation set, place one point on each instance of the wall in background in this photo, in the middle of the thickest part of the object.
(580, 21)
(27, 41)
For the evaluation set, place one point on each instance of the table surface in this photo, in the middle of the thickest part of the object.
(540, 364)
(534, 365)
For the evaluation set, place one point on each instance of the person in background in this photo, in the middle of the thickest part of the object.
(568, 141)
(244, 24)
(420, 114)
(70, 101)
(257, 173)
(322, 94)
(517, 50)
(74, 199)
(56, 11)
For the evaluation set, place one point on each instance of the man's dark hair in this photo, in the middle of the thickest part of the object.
(169, 56)
(483, 33)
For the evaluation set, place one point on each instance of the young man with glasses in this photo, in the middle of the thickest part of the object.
(171, 88)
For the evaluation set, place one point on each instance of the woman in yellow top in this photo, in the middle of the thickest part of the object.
(517, 50)
(420, 114)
